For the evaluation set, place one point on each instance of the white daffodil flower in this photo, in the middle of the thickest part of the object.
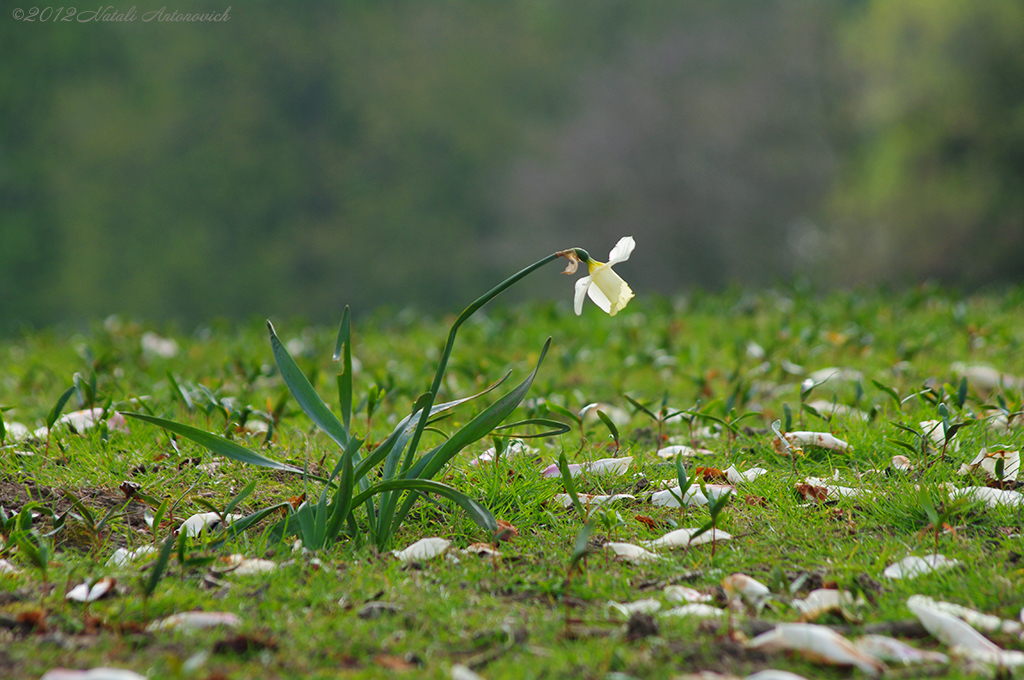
(604, 286)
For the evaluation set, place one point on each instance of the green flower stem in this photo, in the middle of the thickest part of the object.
(443, 365)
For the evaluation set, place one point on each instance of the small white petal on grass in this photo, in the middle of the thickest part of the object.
(460, 672)
(824, 600)
(818, 643)
(514, 449)
(834, 491)
(670, 452)
(695, 609)
(195, 621)
(591, 501)
(773, 674)
(933, 430)
(989, 460)
(742, 586)
(993, 498)
(154, 345)
(685, 594)
(481, 549)
(669, 498)
(736, 477)
(99, 673)
(604, 466)
(627, 609)
(914, 566)
(986, 622)
(84, 420)
(948, 628)
(1003, 660)
(901, 462)
(894, 651)
(17, 431)
(684, 537)
(123, 556)
(823, 440)
(194, 525)
(240, 565)
(84, 593)
(631, 553)
(423, 549)
(8, 568)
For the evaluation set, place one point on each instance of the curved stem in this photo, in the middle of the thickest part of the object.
(442, 366)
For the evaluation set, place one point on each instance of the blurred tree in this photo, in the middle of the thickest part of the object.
(933, 181)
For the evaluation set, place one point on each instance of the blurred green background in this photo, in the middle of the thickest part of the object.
(303, 156)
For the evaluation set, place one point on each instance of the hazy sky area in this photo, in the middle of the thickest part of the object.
(288, 159)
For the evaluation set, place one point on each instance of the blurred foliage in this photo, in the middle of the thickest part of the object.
(290, 161)
(935, 148)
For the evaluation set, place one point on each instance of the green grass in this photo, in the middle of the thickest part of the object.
(515, 617)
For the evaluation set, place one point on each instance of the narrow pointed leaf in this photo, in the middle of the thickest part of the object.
(218, 445)
(55, 412)
(343, 351)
(309, 401)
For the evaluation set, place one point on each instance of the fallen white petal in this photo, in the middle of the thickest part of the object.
(894, 651)
(84, 420)
(736, 477)
(1004, 658)
(631, 553)
(8, 568)
(423, 549)
(993, 498)
(986, 622)
(194, 525)
(679, 450)
(123, 556)
(605, 466)
(195, 621)
(987, 461)
(835, 491)
(627, 609)
(822, 440)
(696, 609)
(933, 430)
(84, 593)
(460, 672)
(948, 628)
(824, 600)
(669, 498)
(241, 565)
(820, 643)
(750, 589)
(773, 674)
(514, 449)
(684, 538)
(154, 345)
(685, 594)
(914, 566)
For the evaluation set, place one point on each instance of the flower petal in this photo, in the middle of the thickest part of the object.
(616, 291)
(582, 285)
(622, 250)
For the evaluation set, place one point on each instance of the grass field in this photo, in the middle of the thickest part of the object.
(709, 371)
